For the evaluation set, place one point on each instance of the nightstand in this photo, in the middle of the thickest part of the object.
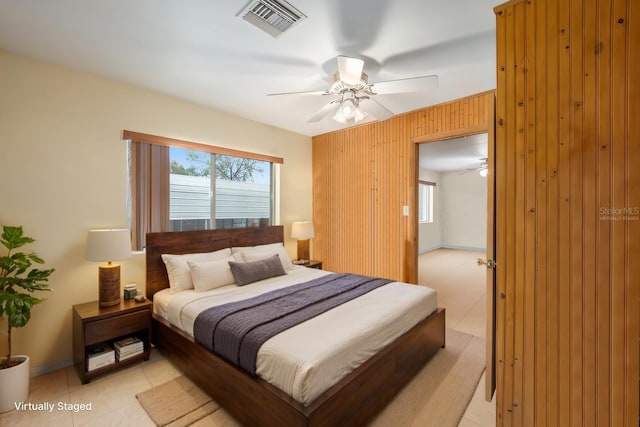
(314, 264)
(94, 326)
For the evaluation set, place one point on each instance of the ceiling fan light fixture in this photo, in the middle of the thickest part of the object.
(349, 112)
(350, 82)
(340, 118)
(347, 109)
(359, 115)
(484, 164)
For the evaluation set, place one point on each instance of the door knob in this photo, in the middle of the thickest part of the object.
(489, 263)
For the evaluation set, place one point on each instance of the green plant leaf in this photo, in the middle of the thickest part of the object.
(21, 262)
(12, 237)
(6, 265)
(18, 279)
(14, 307)
(35, 258)
(18, 308)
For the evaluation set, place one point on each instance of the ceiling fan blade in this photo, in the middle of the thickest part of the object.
(328, 108)
(376, 109)
(466, 171)
(468, 51)
(350, 69)
(356, 24)
(304, 93)
(409, 85)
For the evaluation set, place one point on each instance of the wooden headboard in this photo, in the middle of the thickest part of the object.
(187, 242)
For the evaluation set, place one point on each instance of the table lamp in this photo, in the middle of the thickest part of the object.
(108, 245)
(303, 231)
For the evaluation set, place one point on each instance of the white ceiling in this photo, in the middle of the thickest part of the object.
(454, 154)
(198, 50)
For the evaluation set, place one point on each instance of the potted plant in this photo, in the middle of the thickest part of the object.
(17, 281)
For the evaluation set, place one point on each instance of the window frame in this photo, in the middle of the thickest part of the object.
(197, 146)
(154, 216)
(426, 211)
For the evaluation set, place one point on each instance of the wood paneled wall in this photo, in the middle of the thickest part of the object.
(567, 161)
(364, 175)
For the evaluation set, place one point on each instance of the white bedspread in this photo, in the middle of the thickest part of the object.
(307, 359)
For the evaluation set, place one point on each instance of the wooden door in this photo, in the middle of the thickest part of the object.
(490, 372)
(568, 174)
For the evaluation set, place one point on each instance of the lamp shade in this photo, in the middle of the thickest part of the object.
(302, 230)
(108, 244)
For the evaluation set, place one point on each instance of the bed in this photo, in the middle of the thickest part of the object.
(353, 400)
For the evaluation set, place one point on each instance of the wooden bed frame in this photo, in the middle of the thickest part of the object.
(353, 401)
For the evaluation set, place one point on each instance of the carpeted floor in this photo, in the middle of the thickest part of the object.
(437, 396)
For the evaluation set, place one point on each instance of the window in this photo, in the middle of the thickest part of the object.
(237, 194)
(180, 186)
(425, 201)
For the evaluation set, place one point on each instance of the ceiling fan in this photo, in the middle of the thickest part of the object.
(354, 94)
(482, 169)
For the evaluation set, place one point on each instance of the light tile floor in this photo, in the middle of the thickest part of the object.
(461, 287)
(112, 397)
(453, 274)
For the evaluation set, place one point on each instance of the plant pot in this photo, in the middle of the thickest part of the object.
(15, 384)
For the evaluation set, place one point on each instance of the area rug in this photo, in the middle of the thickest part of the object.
(176, 403)
(437, 396)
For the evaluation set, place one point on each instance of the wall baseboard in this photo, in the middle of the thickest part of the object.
(429, 249)
(45, 369)
(461, 248)
(464, 248)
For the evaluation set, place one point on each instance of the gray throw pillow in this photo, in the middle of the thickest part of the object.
(249, 272)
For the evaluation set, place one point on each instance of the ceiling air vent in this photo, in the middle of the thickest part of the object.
(272, 17)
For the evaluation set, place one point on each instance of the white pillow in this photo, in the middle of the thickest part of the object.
(210, 275)
(256, 253)
(178, 269)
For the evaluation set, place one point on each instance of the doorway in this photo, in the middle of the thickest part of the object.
(482, 162)
(452, 227)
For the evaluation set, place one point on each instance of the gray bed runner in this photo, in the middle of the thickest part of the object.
(237, 330)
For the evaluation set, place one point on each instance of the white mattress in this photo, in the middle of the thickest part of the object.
(307, 359)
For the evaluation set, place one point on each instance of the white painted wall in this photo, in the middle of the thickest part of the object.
(430, 234)
(63, 172)
(464, 210)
